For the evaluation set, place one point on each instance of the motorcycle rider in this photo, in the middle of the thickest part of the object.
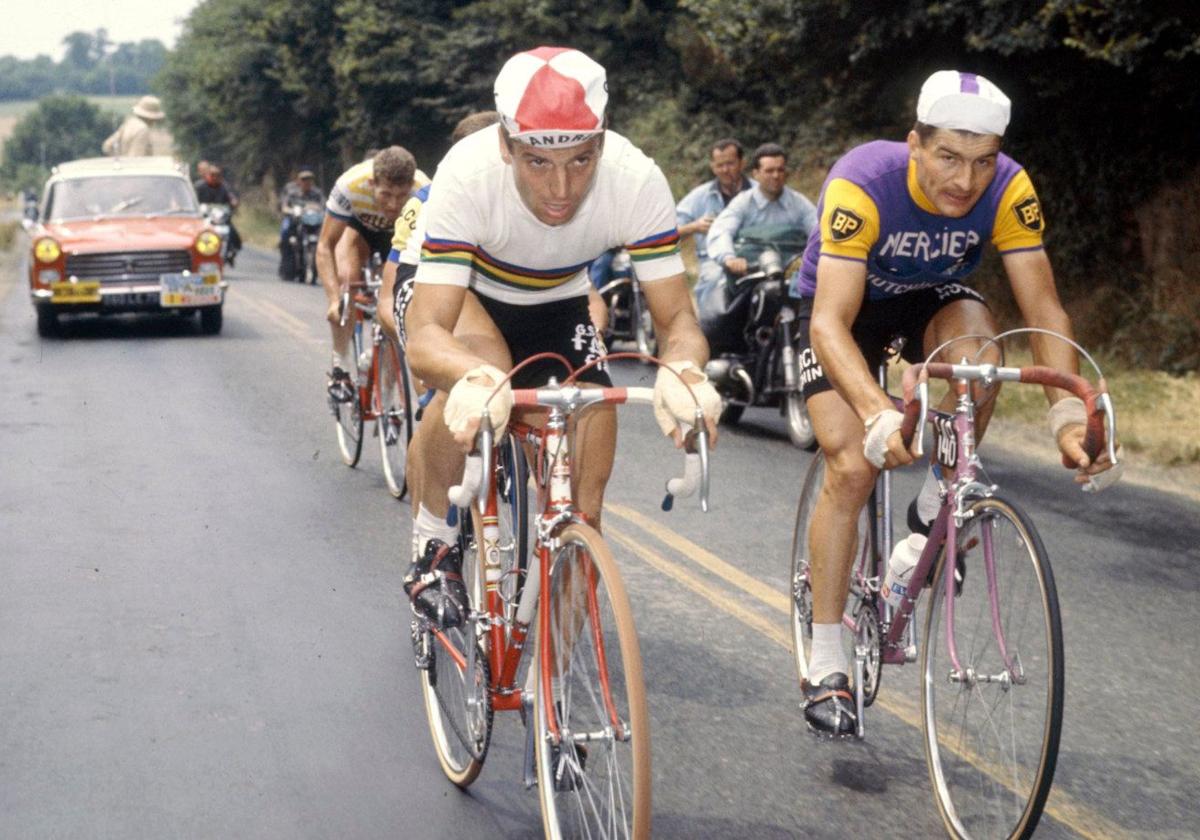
(212, 189)
(695, 212)
(302, 190)
(769, 205)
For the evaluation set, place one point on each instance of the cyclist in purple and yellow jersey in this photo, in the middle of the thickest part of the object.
(902, 225)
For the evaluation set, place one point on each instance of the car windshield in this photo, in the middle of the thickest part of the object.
(120, 195)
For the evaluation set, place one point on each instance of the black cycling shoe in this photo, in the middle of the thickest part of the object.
(435, 586)
(829, 707)
(341, 387)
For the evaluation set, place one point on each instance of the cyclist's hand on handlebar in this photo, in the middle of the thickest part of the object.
(1096, 475)
(737, 265)
(674, 404)
(465, 404)
(883, 445)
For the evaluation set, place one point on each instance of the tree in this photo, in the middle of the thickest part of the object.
(61, 128)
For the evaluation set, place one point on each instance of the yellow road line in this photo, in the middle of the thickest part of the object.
(702, 557)
(284, 320)
(1061, 807)
(711, 593)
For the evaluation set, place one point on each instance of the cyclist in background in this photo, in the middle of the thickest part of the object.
(901, 225)
(361, 211)
(514, 217)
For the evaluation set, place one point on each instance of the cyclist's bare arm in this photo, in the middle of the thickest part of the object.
(679, 334)
(678, 331)
(387, 295)
(841, 289)
(434, 353)
(1033, 286)
(331, 231)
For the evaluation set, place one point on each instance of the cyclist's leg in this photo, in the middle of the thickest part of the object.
(965, 314)
(350, 255)
(829, 704)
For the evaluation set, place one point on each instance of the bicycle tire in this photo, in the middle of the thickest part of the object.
(512, 504)
(394, 423)
(800, 588)
(604, 789)
(348, 423)
(982, 783)
(347, 416)
(461, 734)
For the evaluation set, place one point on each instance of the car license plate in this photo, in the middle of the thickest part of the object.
(124, 299)
(189, 289)
(81, 291)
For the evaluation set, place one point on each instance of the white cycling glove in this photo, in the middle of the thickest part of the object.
(1071, 411)
(466, 399)
(879, 428)
(673, 403)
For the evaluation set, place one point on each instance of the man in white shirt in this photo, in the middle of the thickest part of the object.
(513, 219)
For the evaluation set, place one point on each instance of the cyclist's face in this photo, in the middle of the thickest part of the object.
(727, 166)
(553, 182)
(771, 174)
(390, 198)
(954, 168)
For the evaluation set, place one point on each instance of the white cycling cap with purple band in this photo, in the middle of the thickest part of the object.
(552, 96)
(964, 101)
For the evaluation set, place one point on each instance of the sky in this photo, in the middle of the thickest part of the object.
(37, 27)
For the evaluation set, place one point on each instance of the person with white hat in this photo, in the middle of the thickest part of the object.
(901, 227)
(133, 138)
(514, 216)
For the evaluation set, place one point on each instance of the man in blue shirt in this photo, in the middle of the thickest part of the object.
(694, 214)
(770, 209)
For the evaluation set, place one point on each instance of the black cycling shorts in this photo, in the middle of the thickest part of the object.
(563, 326)
(877, 324)
(379, 241)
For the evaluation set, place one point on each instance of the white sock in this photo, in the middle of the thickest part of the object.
(929, 500)
(427, 526)
(344, 360)
(828, 656)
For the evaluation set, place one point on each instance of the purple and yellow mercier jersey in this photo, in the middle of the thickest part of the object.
(872, 211)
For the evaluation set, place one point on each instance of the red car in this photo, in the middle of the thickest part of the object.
(123, 235)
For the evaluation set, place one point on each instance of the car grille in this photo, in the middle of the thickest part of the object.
(134, 265)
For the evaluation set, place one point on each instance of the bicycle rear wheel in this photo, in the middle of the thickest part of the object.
(593, 766)
(801, 587)
(394, 423)
(458, 700)
(992, 724)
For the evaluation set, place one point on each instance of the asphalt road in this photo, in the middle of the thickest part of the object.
(203, 633)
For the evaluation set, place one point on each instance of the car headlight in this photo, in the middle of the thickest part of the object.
(208, 243)
(46, 250)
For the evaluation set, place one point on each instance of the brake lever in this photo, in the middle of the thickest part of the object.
(485, 452)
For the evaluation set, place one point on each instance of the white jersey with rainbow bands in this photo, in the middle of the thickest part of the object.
(479, 234)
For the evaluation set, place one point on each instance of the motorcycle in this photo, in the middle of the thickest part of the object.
(763, 368)
(628, 316)
(219, 218)
(303, 233)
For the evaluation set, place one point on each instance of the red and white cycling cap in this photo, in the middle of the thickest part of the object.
(964, 101)
(552, 96)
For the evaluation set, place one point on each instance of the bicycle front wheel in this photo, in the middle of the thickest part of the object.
(993, 711)
(457, 688)
(593, 757)
(394, 423)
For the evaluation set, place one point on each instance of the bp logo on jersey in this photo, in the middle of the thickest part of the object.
(1029, 214)
(844, 224)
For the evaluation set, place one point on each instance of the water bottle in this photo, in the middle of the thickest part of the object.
(900, 568)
